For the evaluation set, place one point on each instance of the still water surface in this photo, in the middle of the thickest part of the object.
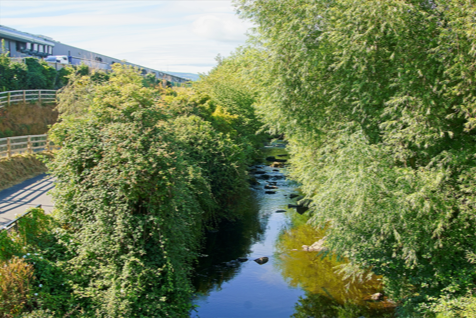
(292, 283)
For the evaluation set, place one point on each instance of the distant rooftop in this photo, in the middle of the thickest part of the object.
(25, 36)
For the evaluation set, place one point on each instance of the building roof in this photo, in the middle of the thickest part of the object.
(10, 33)
(13, 34)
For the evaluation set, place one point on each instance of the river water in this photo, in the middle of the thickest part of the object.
(290, 282)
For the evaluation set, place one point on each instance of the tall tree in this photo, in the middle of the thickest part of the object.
(377, 100)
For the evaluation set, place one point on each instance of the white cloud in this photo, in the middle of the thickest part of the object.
(226, 28)
(182, 36)
(81, 20)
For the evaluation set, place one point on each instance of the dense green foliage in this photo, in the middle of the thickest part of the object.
(33, 74)
(38, 241)
(377, 101)
(37, 74)
(141, 173)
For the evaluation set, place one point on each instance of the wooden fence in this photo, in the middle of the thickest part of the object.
(25, 144)
(32, 95)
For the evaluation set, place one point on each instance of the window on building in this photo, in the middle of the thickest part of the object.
(21, 46)
(35, 47)
(28, 46)
(40, 48)
(50, 50)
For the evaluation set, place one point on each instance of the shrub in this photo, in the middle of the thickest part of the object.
(124, 191)
(39, 74)
(15, 286)
(221, 162)
(29, 235)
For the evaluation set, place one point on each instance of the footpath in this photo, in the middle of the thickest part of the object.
(30, 193)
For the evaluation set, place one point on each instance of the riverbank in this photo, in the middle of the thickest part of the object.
(256, 266)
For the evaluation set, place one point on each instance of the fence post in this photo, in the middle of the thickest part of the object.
(8, 98)
(39, 96)
(47, 144)
(9, 148)
(30, 151)
(24, 97)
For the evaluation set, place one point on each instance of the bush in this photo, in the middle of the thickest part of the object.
(135, 169)
(12, 74)
(15, 286)
(30, 233)
(39, 74)
(220, 159)
(125, 191)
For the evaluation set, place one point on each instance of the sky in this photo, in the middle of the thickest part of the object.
(167, 35)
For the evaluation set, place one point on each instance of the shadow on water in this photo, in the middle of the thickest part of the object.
(220, 256)
(293, 283)
(225, 249)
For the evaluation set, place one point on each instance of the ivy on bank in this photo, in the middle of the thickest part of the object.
(141, 172)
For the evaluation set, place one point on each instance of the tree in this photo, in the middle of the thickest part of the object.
(124, 190)
(376, 100)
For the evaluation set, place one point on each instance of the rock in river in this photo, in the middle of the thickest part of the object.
(316, 247)
(270, 192)
(377, 296)
(263, 176)
(261, 260)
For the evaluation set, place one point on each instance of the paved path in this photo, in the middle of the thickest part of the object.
(30, 193)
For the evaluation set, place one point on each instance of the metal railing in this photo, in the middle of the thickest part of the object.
(25, 144)
(40, 95)
(12, 225)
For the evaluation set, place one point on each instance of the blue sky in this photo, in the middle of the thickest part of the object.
(173, 35)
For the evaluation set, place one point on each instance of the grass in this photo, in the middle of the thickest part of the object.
(20, 168)
(26, 119)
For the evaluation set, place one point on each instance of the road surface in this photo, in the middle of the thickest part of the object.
(17, 199)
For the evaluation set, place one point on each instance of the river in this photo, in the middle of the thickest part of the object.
(285, 281)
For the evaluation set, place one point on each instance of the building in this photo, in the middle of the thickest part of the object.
(22, 44)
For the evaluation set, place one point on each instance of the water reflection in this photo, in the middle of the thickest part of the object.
(293, 282)
(319, 305)
(328, 294)
(234, 240)
(223, 248)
